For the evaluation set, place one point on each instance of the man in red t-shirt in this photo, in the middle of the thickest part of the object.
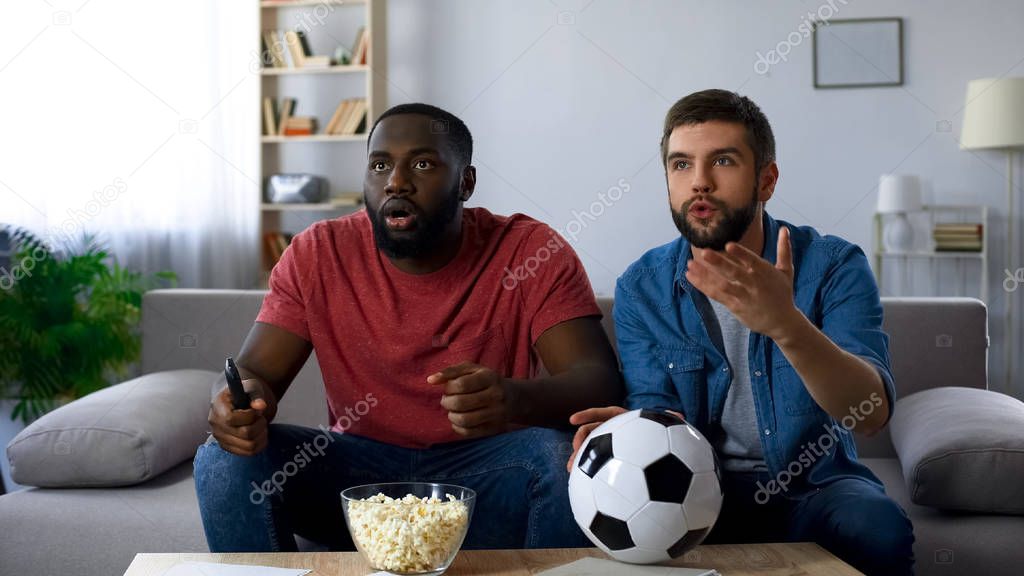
(429, 321)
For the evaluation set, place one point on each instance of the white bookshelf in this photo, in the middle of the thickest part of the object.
(963, 273)
(339, 159)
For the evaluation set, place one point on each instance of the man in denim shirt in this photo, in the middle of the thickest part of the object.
(767, 337)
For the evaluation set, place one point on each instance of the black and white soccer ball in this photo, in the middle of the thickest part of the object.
(645, 487)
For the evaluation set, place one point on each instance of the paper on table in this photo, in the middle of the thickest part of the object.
(602, 567)
(214, 569)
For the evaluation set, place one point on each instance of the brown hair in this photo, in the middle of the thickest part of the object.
(726, 106)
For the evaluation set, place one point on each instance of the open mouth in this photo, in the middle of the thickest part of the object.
(702, 210)
(400, 215)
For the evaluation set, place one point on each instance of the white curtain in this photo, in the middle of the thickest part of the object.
(137, 121)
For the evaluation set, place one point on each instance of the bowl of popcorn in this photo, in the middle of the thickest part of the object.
(408, 527)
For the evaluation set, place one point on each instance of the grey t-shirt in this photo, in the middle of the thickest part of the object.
(738, 441)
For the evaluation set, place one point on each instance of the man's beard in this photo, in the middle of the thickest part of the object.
(424, 239)
(730, 228)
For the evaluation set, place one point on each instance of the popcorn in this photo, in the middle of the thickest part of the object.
(409, 534)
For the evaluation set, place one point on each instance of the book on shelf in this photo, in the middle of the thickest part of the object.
(274, 48)
(304, 42)
(361, 47)
(355, 123)
(954, 236)
(959, 228)
(266, 55)
(300, 126)
(290, 49)
(298, 57)
(959, 246)
(276, 243)
(339, 112)
(287, 109)
(348, 118)
(269, 116)
(942, 236)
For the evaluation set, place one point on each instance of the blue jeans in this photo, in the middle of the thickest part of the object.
(258, 503)
(851, 518)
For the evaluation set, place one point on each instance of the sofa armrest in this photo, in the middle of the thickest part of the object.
(121, 435)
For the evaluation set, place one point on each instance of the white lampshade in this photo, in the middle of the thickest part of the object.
(899, 193)
(994, 114)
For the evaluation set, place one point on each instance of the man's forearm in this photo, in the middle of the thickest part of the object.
(549, 401)
(837, 380)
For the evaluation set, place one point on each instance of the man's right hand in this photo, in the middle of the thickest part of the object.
(243, 432)
(587, 420)
(591, 418)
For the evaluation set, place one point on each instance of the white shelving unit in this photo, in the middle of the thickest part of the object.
(338, 159)
(963, 263)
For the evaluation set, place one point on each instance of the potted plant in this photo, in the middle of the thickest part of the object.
(69, 322)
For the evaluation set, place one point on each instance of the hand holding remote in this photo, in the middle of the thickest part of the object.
(242, 430)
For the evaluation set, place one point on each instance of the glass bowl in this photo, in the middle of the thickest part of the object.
(404, 535)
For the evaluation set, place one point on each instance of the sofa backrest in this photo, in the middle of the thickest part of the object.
(200, 328)
(933, 342)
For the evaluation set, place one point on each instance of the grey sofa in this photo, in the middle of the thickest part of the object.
(97, 531)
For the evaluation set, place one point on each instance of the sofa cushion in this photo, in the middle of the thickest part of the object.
(117, 436)
(962, 449)
(948, 543)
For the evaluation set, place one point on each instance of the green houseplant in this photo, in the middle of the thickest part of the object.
(68, 322)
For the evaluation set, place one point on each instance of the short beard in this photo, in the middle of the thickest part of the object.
(425, 239)
(731, 228)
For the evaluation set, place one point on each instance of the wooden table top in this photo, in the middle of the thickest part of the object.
(796, 559)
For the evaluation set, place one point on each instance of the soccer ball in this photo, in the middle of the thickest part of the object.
(645, 487)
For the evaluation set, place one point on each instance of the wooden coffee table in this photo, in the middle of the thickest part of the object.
(798, 559)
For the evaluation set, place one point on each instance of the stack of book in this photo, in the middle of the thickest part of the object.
(348, 118)
(276, 242)
(958, 237)
(299, 126)
(290, 49)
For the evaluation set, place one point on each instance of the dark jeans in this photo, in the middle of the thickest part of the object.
(258, 503)
(851, 518)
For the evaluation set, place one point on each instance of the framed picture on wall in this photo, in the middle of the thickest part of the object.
(858, 53)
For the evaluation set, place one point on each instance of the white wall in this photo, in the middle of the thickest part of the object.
(566, 97)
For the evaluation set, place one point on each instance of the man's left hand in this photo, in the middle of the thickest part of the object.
(757, 292)
(476, 398)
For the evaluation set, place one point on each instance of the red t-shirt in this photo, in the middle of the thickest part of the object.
(379, 332)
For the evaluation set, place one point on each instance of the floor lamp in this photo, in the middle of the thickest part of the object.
(994, 118)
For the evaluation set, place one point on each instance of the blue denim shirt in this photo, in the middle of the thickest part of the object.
(672, 353)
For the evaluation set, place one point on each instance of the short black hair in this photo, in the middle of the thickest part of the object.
(441, 121)
(715, 104)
